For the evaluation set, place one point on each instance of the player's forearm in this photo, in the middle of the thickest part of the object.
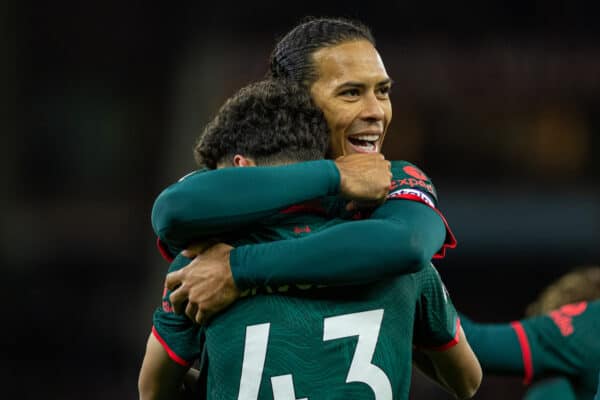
(457, 369)
(212, 202)
(401, 238)
(160, 378)
(496, 346)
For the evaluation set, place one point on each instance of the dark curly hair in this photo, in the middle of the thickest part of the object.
(270, 121)
(292, 56)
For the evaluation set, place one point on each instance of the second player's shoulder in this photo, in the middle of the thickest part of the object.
(409, 179)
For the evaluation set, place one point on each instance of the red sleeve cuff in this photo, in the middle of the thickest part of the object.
(525, 351)
(170, 351)
(163, 250)
(450, 242)
(452, 342)
(448, 345)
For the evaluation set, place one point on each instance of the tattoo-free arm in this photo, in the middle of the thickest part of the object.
(160, 377)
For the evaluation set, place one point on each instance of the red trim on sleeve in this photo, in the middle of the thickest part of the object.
(450, 241)
(163, 250)
(452, 342)
(525, 351)
(169, 351)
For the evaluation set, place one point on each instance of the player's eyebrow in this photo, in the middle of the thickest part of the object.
(360, 85)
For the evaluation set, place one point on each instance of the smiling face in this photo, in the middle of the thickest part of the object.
(352, 89)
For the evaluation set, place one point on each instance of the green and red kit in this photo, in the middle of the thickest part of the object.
(235, 201)
(314, 341)
(564, 344)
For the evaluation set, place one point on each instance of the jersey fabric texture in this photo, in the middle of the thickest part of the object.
(563, 343)
(209, 203)
(316, 342)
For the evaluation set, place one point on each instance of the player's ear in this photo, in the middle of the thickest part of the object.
(241, 161)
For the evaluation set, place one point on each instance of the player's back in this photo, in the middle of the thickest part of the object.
(352, 342)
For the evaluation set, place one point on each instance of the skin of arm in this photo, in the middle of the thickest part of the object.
(160, 377)
(457, 369)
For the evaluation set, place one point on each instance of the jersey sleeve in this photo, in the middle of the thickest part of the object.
(551, 389)
(497, 346)
(564, 341)
(410, 183)
(180, 337)
(208, 203)
(436, 325)
(399, 238)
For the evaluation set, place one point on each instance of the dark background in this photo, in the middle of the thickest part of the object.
(497, 101)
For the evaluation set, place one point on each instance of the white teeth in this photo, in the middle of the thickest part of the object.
(366, 138)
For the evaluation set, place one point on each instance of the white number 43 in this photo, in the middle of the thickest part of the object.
(365, 325)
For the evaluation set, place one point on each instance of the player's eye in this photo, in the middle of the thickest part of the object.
(352, 92)
(384, 91)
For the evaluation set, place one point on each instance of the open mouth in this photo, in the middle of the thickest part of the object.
(364, 143)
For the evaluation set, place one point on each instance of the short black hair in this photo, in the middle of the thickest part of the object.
(292, 56)
(270, 121)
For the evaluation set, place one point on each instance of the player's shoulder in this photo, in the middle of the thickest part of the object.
(409, 179)
(194, 173)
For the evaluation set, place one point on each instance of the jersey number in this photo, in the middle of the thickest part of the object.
(365, 325)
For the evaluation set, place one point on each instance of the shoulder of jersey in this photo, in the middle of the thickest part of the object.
(407, 176)
(196, 172)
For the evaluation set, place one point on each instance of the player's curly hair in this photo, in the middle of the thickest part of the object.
(292, 56)
(580, 284)
(271, 121)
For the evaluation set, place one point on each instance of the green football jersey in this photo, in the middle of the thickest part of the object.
(552, 388)
(314, 342)
(563, 343)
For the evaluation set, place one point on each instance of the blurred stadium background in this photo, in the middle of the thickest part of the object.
(498, 101)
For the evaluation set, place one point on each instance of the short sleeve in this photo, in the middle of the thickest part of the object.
(436, 320)
(180, 337)
(409, 182)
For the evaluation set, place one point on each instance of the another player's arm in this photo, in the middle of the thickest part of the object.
(400, 237)
(208, 203)
(174, 343)
(160, 377)
(441, 348)
(455, 369)
(533, 346)
(497, 347)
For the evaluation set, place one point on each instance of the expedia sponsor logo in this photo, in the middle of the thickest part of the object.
(403, 193)
(412, 182)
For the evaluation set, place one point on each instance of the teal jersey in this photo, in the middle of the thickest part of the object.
(551, 388)
(398, 237)
(563, 343)
(316, 343)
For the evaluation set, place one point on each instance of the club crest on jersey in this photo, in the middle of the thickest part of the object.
(411, 193)
(415, 172)
(563, 317)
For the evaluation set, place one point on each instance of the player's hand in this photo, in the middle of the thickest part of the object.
(364, 177)
(205, 286)
(198, 248)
